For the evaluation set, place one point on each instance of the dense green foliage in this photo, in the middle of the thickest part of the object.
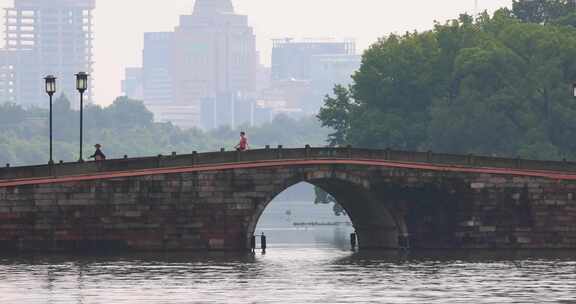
(542, 11)
(127, 128)
(495, 85)
(335, 113)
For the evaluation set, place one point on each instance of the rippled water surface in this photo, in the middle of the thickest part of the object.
(292, 275)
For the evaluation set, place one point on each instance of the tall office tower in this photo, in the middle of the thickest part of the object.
(157, 78)
(214, 59)
(41, 38)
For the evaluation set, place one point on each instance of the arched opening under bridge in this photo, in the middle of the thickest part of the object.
(304, 215)
(375, 225)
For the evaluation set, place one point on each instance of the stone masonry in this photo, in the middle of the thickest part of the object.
(217, 207)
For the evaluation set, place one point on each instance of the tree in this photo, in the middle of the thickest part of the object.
(11, 114)
(395, 85)
(322, 197)
(66, 121)
(568, 20)
(335, 114)
(127, 112)
(127, 128)
(495, 85)
(542, 11)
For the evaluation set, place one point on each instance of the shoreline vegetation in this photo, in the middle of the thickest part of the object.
(126, 127)
(496, 85)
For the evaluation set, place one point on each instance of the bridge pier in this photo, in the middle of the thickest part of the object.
(377, 237)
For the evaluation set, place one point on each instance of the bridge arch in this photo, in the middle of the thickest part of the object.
(376, 225)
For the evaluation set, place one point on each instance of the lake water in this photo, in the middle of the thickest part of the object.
(288, 274)
(305, 264)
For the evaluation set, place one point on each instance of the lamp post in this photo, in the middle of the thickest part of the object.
(50, 90)
(81, 86)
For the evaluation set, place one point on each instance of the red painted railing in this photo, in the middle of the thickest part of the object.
(308, 160)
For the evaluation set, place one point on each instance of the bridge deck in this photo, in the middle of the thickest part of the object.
(287, 162)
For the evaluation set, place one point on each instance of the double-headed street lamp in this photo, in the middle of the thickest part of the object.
(81, 86)
(50, 90)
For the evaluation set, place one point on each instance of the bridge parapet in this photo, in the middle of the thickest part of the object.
(279, 153)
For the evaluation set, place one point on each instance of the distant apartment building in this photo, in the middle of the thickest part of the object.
(41, 38)
(132, 85)
(326, 71)
(288, 93)
(309, 69)
(292, 59)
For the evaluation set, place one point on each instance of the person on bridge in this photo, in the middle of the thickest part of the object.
(98, 155)
(243, 144)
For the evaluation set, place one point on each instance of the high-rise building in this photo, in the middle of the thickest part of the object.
(326, 71)
(203, 73)
(304, 71)
(214, 59)
(292, 59)
(132, 83)
(41, 38)
(8, 59)
(157, 80)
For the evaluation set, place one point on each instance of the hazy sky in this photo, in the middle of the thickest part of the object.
(120, 24)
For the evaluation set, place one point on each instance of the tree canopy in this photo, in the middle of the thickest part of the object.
(126, 127)
(542, 11)
(491, 85)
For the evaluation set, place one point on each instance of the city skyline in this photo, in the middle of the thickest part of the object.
(118, 41)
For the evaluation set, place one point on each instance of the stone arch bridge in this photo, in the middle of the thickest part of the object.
(212, 201)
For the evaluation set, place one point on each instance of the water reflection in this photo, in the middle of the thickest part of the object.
(293, 275)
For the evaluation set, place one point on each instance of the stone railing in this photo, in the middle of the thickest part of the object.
(278, 153)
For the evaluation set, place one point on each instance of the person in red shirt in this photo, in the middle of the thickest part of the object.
(243, 144)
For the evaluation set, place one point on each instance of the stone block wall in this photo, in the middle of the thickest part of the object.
(218, 209)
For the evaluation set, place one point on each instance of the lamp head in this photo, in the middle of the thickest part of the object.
(82, 82)
(50, 84)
